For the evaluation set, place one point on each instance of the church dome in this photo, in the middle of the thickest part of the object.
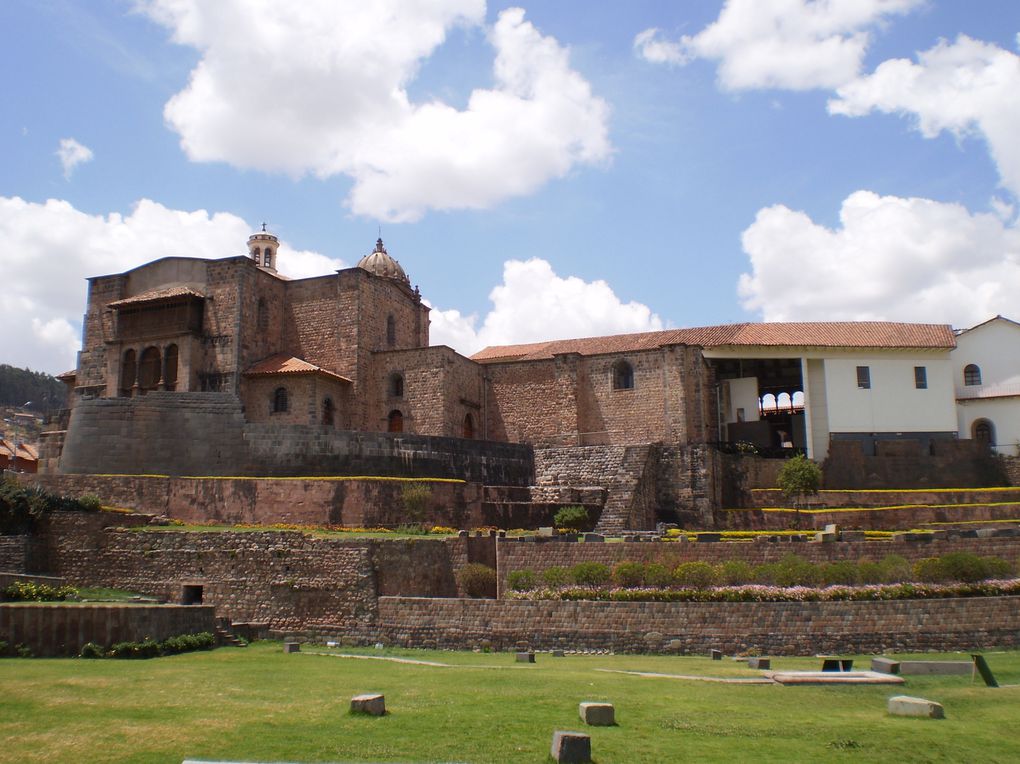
(380, 263)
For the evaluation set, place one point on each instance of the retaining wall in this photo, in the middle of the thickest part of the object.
(55, 630)
(776, 628)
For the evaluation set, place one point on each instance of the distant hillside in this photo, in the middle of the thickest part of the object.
(18, 386)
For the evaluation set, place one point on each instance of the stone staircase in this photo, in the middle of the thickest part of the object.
(225, 636)
(623, 510)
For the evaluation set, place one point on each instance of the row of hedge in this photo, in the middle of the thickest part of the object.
(21, 508)
(150, 648)
(791, 570)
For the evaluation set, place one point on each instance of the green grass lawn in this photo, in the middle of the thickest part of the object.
(258, 704)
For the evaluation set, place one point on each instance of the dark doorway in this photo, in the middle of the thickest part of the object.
(191, 594)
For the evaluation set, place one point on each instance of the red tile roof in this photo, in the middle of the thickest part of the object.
(281, 363)
(829, 334)
(155, 295)
(26, 451)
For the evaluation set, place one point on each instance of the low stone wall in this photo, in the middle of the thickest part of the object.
(54, 630)
(362, 502)
(900, 518)
(804, 628)
(909, 463)
(835, 498)
(538, 555)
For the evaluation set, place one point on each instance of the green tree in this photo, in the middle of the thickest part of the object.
(416, 498)
(799, 478)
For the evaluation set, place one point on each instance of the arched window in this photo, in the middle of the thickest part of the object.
(170, 368)
(972, 374)
(262, 318)
(623, 376)
(768, 402)
(279, 400)
(149, 371)
(391, 330)
(984, 432)
(395, 421)
(469, 426)
(269, 257)
(784, 401)
(328, 411)
(256, 255)
(128, 373)
(396, 386)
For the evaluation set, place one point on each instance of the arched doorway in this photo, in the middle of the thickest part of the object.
(983, 431)
(469, 426)
(149, 371)
(395, 421)
(128, 373)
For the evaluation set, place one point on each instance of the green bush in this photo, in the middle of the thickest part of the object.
(657, 574)
(556, 576)
(895, 569)
(29, 591)
(966, 567)
(90, 503)
(522, 580)
(870, 572)
(477, 580)
(843, 572)
(590, 574)
(629, 575)
(791, 570)
(92, 650)
(574, 518)
(695, 575)
(733, 572)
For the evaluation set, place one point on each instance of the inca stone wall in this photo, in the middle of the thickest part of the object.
(776, 628)
(49, 630)
(14, 553)
(205, 434)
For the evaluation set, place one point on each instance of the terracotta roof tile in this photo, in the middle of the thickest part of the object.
(834, 334)
(281, 363)
(155, 295)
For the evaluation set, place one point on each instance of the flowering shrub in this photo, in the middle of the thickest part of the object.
(761, 593)
(28, 591)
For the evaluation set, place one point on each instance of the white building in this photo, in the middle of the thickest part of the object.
(986, 370)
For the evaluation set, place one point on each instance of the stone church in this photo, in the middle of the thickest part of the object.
(226, 367)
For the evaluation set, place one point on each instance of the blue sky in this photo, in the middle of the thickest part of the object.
(542, 170)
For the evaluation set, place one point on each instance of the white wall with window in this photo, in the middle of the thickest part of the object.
(986, 372)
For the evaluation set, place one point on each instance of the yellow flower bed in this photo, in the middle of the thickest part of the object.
(324, 478)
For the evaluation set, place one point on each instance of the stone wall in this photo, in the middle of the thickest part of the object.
(947, 463)
(57, 630)
(774, 628)
(205, 434)
(14, 553)
(360, 503)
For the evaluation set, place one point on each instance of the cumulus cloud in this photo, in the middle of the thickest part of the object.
(534, 303)
(967, 87)
(322, 88)
(789, 44)
(53, 247)
(72, 154)
(890, 259)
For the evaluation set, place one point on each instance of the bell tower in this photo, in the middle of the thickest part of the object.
(262, 248)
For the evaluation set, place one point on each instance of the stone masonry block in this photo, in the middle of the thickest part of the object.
(597, 714)
(904, 705)
(571, 747)
(525, 657)
(373, 705)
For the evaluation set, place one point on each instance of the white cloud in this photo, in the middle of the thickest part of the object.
(321, 87)
(789, 44)
(966, 87)
(53, 247)
(533, 304)
(891, 258)
(72, 154)
(651, 46)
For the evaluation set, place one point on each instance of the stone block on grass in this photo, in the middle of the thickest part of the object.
(757, 662)
(373, 705)
(885, 665)
(292, 647)
(558, 654)
(717, 655)
(525, 657)
(571, 747)
(597, 714)
(904, 705)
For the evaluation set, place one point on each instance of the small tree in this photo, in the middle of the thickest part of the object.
(573, 518)
(416, 497)
(799, 478)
